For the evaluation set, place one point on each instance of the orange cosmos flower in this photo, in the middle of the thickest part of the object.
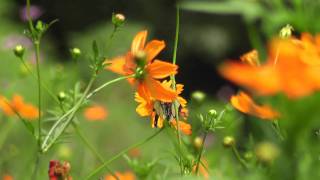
(160, 111)
(245, 104)
(122, 176)
(140, 61)
(95, 113)
(18, 105)
(293, 67)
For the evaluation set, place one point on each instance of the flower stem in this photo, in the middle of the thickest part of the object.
(98, 169)
(239, 158)
(92, 149)
(201, 151)
(107, 84)
(37, 47)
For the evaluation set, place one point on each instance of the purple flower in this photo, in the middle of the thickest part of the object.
(35, 13)
(12, 40)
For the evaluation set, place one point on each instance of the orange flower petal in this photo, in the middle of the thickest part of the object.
(145, 107)
(153, 48)
(160, 69)
(29, 111)
(262, 80)
(5, 107)
(251, 58)
(117, 65)
(157, 90)
(183, 126)
(95, 113)
(245, 104)
(139, 42)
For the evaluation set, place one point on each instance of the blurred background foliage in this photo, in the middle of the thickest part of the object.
(211, 31)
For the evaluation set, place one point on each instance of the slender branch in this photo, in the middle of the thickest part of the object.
(239, 158)
(98, 169)
(201, 151)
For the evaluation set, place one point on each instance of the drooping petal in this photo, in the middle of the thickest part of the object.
(160, 69)
(153, 48)
(158, 91)
(116, 65)
(139, 41)
(245, 104)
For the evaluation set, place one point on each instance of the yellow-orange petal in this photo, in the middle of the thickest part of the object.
(95, 113)
(160, 69)
(7, 177)
(157, 90)
(184, 127)
(17, 102)
(153, 48)
(245, 104)
(145, 106)
(139, 41)
(116, 65)
(156, 121)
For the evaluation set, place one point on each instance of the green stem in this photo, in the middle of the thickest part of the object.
(121, 153)
(174, 60)
(44, 85)
(277, 129)
(201, 151)
(239, 158)
(107, 84)
(92, 149)
(37, 47)
(51, 136)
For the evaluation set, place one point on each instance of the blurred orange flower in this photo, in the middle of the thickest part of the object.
(128, 175)
(139, 61)
(245, 104)
(95, 113)
(18, 105)
(293, 67)
(7, 177)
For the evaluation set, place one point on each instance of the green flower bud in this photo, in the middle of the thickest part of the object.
(228, 141)
(40, 27)
(248, 155)
(75, 53)
(266, 152)
(118, 19)
(19, 51)
(61, 96)
(198, 96)
(213, 113)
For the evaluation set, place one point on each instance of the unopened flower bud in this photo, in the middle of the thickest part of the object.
(197, 142)
(19, 51)
(228, 141)
(40, 26)
(198, 96)
(212, 112)
(248, 155)
(75, 53)
(266, 152)
(286, 31)
(61, 96)
(118, 19)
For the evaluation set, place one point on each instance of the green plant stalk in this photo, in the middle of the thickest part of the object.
(92, 149)
(172, 77)
(277, 129)
(44, 85)
(239, 158)
(121, 153)
(70, 114)
(107, 84)
(201, 151)
(37, 47)
(46, 145)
